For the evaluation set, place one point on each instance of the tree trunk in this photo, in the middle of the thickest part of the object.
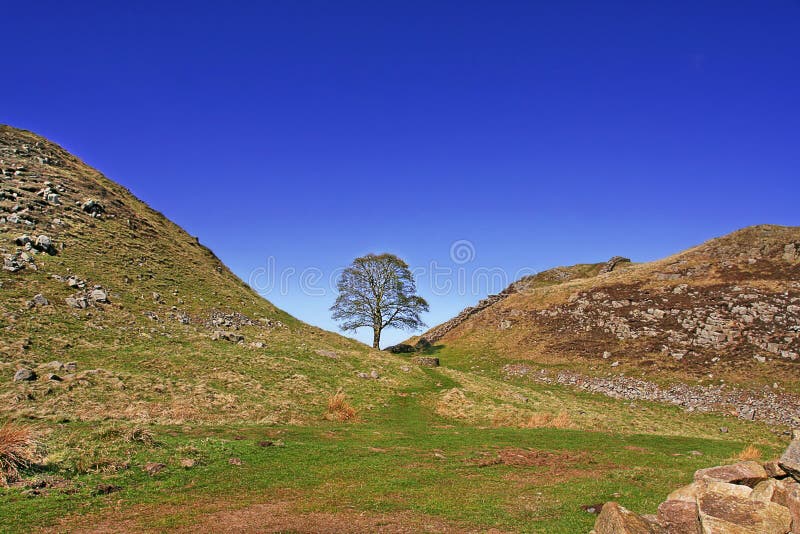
(376, 338)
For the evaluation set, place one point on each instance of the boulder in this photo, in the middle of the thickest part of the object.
(679, 516)
(401, 348)
(614, 519)
(790, 460)
(793, 504)
(726, 508)
(71, 367)
(24, 375)
(686, 493)
(40, 300)
(746, 473)
(45, 244)
(771, 490)
(774, 470)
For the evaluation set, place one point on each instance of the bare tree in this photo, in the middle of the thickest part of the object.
(378, 291)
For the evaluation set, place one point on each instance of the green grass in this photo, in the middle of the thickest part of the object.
(401, 456)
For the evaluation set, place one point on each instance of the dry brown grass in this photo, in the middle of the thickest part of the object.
(339, 409)
(540, 420)
(17, 450)
(751, 452)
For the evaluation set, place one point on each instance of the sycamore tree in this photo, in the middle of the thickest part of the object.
(378, 291)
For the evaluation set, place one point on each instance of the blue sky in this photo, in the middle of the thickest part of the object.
(301, 134)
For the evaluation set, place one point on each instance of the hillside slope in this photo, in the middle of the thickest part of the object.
(727, 311)
(158, 328)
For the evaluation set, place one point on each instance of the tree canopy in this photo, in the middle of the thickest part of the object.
(377, 291)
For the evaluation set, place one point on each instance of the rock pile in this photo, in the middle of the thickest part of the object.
(768, 406)
(747, 497)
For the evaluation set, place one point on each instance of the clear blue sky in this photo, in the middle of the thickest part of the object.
(544, 133)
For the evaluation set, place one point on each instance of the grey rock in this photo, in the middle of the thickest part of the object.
(40, 300)
(99, 295)
(24, 375)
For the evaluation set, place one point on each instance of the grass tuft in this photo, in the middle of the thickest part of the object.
(751, 452)
(542, 420)
(339, 409)
(17, 451)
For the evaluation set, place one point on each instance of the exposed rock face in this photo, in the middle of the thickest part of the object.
(720, 501)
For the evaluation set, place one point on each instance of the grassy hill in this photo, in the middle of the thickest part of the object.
(184, 401)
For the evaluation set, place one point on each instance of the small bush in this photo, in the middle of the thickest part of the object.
(339, 409)
(751, 452)
(17, 451)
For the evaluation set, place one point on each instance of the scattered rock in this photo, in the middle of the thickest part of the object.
(235, 461)
(187, 463)
(327, 353)
(71, 367)
(98, 294)
(24, 375)
(40, 300)
(221, 335)
(45, 244)
(93, 208)
(54, 377)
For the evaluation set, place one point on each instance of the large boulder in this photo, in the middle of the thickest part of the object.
(793, 503)
(726, 508)
(679, 517)
(614, 519)
(746, 473)
(790, 461)
(772, 490)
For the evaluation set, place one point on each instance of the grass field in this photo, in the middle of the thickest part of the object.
(404, 462)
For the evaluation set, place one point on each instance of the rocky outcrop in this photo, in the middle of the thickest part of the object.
(730, 499)
(612, 264)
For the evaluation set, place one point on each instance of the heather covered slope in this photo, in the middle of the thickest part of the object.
(724, 312)
(135, 302)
